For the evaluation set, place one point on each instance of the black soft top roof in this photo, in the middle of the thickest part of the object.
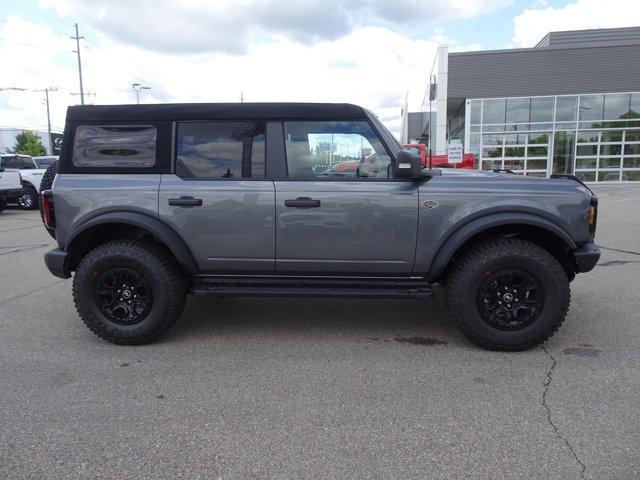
(216, 111)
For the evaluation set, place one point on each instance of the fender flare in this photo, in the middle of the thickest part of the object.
(154, 226)
(454, 241)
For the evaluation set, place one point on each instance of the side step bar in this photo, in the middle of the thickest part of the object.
(287, 287)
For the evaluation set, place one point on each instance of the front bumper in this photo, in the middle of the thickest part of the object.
(586, 257)
(56, 262)
(12, 193)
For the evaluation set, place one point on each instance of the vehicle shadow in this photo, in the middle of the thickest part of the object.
(374, 319)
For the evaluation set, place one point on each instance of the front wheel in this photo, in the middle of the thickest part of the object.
(28, 200)
(507, 294)
(129, 291)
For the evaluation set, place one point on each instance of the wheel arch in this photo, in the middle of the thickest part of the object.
(527, 226)
(112, 225)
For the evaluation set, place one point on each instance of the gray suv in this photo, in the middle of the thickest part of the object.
(154, 202)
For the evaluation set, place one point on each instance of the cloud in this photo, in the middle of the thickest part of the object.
(370, 66)
(230, 26)
(533, 24)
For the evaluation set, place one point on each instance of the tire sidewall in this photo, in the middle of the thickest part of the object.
(145, 266)
(553, 302)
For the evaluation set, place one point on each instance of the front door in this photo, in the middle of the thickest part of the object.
(219, 198)
(340, 211)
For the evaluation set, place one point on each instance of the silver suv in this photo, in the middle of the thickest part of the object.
(154, 202)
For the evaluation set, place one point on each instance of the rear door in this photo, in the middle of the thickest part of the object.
(218, 198)
(340, 211)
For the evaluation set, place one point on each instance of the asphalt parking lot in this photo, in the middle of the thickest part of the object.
(281, 388)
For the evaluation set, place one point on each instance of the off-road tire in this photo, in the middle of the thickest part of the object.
(45, 184)
(468, 272)
(155, 265)
(29, 199)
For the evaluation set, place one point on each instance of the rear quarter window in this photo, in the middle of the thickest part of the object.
(115, 146)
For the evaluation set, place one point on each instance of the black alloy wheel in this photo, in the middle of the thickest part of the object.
(510, 299)
(123, 296)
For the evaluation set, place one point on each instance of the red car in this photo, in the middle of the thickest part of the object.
(440, 161)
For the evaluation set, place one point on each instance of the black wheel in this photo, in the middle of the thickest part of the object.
(507, 294)
(45, 184)
(28, 200)
(3, 204)
(129, 291)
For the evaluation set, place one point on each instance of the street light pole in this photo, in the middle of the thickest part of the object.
(137, 87)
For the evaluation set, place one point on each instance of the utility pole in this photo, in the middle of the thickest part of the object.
(77, 39)
(137, 87)
(46, 93)
(241, 96)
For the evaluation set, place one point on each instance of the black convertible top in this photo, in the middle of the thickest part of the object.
(216, 111)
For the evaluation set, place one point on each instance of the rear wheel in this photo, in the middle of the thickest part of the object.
(507, 294)
(129, 291)
(28, 200)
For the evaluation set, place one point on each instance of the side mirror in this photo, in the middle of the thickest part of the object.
(408, 166)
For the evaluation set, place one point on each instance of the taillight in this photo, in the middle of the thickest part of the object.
(48, 213)
(592, 216)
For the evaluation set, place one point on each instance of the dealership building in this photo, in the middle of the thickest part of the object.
(571, 104)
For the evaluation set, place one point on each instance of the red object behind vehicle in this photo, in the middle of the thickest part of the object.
(468, 159)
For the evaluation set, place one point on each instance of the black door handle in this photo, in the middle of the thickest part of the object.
(302, 202)
(185, 202)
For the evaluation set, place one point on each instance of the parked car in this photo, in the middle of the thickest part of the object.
(45, 161)
(31, 173)
(439, 161)
(10, 186)
(154, 202)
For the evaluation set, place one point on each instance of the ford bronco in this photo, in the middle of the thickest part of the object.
(154, 202)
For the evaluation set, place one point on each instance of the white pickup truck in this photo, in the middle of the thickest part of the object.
(31, 171)
(10, 186)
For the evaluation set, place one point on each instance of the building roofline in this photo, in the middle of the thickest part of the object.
(545, 49)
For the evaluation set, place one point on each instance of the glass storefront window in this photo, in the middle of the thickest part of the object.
(609, 163)
(514, 151)
(518, 110)
(631, 162)
(566, 108)
(588, 137)
(587, 150)
(591, 107)
(610, 149)
(537, 151)
(542, 109)
(493, 111)
(475, 107)
(586, 163)
(631, 176)
(632, 149)
(492, 152)
(494, 139)
(586, 176)
(563, 145)
(514, 164)
(609, 176)
(612, 136)
(539, 138)
(634, 111)
(616, 106)
(534, 164)
(632, 136)
(515, 139)
(474, 143)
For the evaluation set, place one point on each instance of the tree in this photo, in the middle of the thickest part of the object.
(29, 143)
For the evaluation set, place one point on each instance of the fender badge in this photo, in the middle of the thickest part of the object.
(430, 203)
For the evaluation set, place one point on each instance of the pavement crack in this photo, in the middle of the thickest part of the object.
(545, 393)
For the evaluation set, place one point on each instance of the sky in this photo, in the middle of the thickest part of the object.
(368, 52)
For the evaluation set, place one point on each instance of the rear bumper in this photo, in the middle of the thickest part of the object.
(586, 257)
(56, 262)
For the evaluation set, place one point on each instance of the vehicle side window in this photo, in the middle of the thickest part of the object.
(330, 150)
(11, 162)
(221, 150)
(121, 146)
(28, 164)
